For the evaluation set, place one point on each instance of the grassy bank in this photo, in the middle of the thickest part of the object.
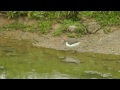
(44, 20)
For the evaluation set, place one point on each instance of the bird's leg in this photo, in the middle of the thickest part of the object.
(72, 50)
(66, 49)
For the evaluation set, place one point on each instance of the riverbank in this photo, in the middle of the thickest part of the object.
(97, 43)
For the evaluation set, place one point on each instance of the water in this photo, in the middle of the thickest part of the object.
(21, 60)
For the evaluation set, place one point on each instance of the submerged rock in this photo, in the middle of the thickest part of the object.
(2, 67)
(103, 75)
(12, 54)
(71, 60)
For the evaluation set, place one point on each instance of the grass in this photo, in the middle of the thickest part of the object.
(42, 27)
(65, 18)
(45, 26)
(107, 30)
(80, 28)
(103, 17)
(15, 26)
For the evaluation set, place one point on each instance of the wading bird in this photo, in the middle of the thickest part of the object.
(71, 42)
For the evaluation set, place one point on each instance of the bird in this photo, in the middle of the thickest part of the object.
(71, 42)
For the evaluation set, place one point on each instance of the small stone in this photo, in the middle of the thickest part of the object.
(71, 28)
(2, 67)
(71, 60)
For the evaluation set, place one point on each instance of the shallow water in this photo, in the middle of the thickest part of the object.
(19, 59)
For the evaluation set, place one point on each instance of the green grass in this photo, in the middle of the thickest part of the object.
(45, 26)
(103, 17)
(15, 26)
(42, 27)
(65, 18)
(107, 30)
(80, 28)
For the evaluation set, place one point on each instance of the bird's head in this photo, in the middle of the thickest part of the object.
(64, 39)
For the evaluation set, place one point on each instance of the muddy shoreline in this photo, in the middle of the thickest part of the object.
(96, 43)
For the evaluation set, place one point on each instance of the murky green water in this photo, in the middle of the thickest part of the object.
(19, 59)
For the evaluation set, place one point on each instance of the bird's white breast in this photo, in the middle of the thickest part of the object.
(72, 45)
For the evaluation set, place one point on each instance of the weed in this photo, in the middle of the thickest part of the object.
(15, 26)
(45, 26)
(66, 18)
(107, 30)
(66, 23)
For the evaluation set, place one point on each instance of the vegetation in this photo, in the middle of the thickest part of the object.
(65, 18)
(81, 29)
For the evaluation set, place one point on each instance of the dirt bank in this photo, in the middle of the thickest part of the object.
(98, 43)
